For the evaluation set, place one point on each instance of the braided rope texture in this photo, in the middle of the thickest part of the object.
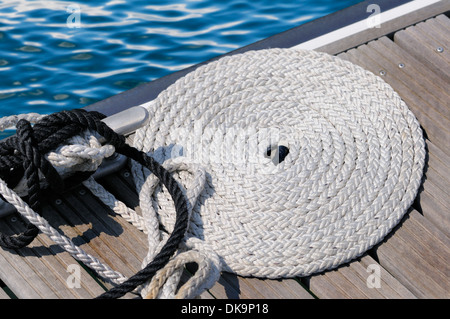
(354, 166)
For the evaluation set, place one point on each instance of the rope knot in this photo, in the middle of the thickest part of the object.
(35, 155)
(82, 153)
(48, 133)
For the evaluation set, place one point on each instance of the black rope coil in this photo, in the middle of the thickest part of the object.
(22, 155)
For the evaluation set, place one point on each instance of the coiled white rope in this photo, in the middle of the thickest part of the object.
(355, 162)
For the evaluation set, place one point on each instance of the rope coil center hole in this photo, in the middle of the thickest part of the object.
(277, 153)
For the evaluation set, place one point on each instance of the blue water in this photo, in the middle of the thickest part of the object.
(58, 55)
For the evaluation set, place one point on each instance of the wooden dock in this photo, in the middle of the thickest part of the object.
(412, 262)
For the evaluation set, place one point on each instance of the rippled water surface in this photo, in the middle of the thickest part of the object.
(58, 55)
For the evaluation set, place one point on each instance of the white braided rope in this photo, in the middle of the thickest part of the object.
(116, 205)
(164, 284)
(191, 179)
(83, 153)
(64, 242)
(10, 121)
(356, 155)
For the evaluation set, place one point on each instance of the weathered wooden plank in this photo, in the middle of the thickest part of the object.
(428, 232)
(438, 176)
(387, 27)
(56, 220)
(80, 233)
(443, 21)
(206, 295)
(223, 289)
(411, 73)
(349, 281)
(423, 41)
(324, 287)
(3, 294)
(436, 186)
(389, 287)
(412, 44)
(434, 203)
(399, 268)
(274, 289)
(433, 197)
(421, 79)
(95, 237)
(231, 286)
(333, 285)
(291, 289)
(132, 239)
(433, 200)
(40, 270)
(13, 274)
(417, 266)
(99, 231)
(433, 210)
(431, 246)
(440, 159)
(245, 291)
(53, 264)
(428, 254)
(438, 28)
(353, 280)
(361, 280)
(23, 272)
(346, 280)
(122, 188)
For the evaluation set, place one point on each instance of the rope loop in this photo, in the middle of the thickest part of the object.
(24, 153)
(166, 283)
